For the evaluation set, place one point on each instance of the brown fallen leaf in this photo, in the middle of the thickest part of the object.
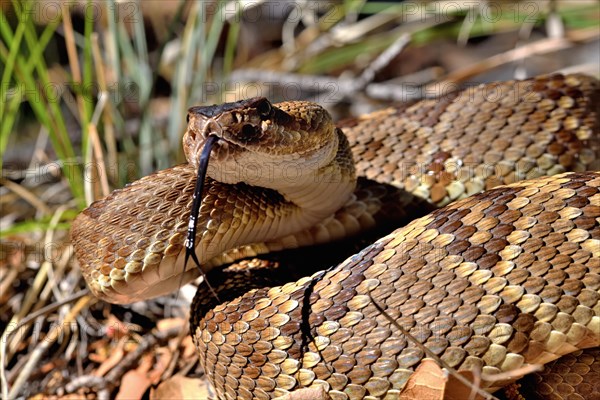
(180, 387)
(189, 348)
(426, 383)
(457, 390)
(163, 358)
(115, 356)
(135, 382)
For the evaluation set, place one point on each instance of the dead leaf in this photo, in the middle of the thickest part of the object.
(115, 356)
(189, 349)
(426, 383)
(180, 387)
(163, 359)
(135, 382)
(133, 385)
(456, 390)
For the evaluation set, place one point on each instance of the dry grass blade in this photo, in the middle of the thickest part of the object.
(107, 115)
(543, 46)
(98, 166)
(27, 195)
(41, 349)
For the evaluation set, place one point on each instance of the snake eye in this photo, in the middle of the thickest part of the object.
(249, 132)
(264, 109)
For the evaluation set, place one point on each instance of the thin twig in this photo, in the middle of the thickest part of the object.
(107, 116)
(148, 341)
(72, 53)
(543, 46)
(382, 60)
(345, 86)
(98, 158)
(26, 195)
(41, 349)
(48, 309)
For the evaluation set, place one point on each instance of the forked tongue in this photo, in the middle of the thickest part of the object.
(190, 242)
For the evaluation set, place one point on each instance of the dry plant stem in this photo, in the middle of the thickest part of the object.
(114, 376)
(350, 33)
(306, 82)
(12, 374)
(95, 158)
(182, 78)
(289, 26)
(50, 308)
(543, 46)
(98, 160)
(31, 299)
(432, 355)
(48, 276)
(402, 88)
(72, 53)
(148, 341)
(41, 349)
(8, 279)
(54, 277)
(174, 348)
(27, 196)
(107, 118)
(188, 367)
(539, 47)
(39, 153)
(524, 35)
(345, 86)
(467, 25)
(382, 61)
(168, 372)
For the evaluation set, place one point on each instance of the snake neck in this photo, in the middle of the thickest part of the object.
(319, 191)
(296, 199)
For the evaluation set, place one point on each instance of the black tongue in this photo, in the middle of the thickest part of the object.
(190, 243)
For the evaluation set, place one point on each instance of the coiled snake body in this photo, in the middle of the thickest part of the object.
(497, 280)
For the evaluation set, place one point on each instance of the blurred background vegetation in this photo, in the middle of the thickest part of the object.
(94, 94)
(110, 81)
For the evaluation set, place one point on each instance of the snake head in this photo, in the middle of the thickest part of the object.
(258, 139)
